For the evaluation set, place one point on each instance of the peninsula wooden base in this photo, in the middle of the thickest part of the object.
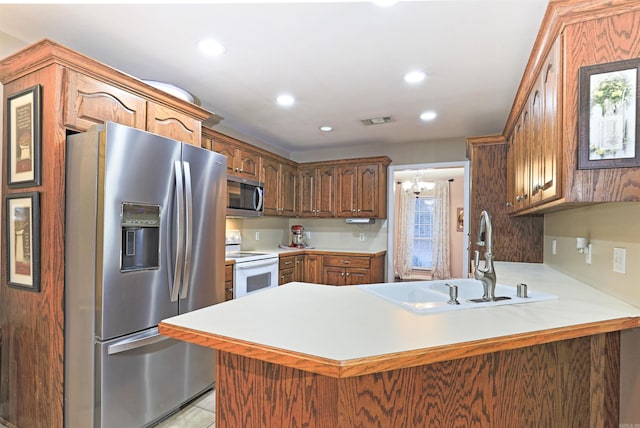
(571, 383)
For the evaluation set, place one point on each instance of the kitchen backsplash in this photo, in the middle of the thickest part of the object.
(332, 234)
(606, 226)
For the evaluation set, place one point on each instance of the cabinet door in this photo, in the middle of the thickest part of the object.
(228, 282)
(332, 275)
(346, 191)
(228, 150)
(299, 269)
(287, 194)
(287, 275)
(248, 164)
(534, 142)
(165, 121)
(307, 192)
(313, 268)
(550, 168)
(325, 192)
(355, 276)
(89, 102)
(511, 175)
(367, 194)
(270, 176)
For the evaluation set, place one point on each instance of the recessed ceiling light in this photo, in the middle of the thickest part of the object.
(428, 115)
(285, 100)
(211, 47)
(385, 3)
(415, 76)
(326, 128)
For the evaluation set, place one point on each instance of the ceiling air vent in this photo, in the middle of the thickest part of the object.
(377, 120)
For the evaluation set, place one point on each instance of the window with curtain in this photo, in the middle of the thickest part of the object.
(423, 233)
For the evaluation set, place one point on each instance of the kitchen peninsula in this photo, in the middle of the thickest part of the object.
(338, 356)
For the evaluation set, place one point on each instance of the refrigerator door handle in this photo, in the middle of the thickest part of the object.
(131, 344)
(177, 275)
(188, 220)
(258, 197)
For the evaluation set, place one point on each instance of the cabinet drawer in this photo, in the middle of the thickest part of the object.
(346, 261)
(287, 262)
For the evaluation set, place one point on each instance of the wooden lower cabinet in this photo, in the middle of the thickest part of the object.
(291, 269)
(228, 281)
(332, 268)
(347, 269)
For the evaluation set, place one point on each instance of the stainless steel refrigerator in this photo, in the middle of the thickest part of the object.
(145, 220)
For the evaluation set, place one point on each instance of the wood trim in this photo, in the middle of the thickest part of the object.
(382, 363)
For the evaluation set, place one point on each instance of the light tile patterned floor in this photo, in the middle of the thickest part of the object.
(199, 414)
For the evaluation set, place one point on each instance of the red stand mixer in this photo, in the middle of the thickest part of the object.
(297, 240)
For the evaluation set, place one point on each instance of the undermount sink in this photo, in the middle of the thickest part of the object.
(433, 296)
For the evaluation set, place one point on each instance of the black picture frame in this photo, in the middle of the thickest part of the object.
(24, 137)
(608, 108)
(23, 240)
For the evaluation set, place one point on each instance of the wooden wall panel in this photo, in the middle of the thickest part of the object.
(570, 383)
(33, 323)
(596, 41)
(515, 239)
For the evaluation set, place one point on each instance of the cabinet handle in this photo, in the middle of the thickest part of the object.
(288, 262)
(346, 262)
(509, 204)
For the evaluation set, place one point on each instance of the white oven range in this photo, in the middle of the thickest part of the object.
(252, 271)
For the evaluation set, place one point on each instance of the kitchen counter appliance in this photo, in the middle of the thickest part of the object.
(252, 271)
(245, 197)
(144, 226)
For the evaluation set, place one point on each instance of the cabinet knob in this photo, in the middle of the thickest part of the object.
(347, 273)
(342, 274)
(240, 170)
(346, 262)
(509, 204)
(229, 290)
(518, 198)
(353, 210)
(359, 210)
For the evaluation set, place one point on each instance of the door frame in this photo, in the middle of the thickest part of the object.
(391, 200)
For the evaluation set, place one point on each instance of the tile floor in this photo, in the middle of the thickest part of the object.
(198, 414)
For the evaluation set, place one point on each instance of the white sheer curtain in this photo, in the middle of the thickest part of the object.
(441, 254)
(405, 211)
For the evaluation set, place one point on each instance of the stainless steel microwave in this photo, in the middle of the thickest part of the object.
(245, 197)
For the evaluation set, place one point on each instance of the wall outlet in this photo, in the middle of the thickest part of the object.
(619, 260)
(362, 237)
(257, 236)
(554, 247)
(308, 234)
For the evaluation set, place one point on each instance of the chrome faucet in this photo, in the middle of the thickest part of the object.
(486, 274)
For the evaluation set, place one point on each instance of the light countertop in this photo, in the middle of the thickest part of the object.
(345, 331)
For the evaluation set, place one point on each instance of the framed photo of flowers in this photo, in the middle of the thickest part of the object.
(23, 240)
(608, 133)
(24, 137)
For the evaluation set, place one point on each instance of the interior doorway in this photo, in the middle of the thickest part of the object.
(418, 182)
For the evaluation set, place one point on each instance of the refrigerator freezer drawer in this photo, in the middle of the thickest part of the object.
(143, 377)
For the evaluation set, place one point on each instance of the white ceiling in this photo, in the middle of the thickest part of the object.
(343, 61)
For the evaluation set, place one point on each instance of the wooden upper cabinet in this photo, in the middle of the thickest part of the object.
(534, 163)
(550, 174)
(88, 102)
(361, 191)
(165, 121)
(270, 176)
(240, 160)
(280, 187)
(316, 196)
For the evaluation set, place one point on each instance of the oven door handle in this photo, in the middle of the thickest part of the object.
(252, 265)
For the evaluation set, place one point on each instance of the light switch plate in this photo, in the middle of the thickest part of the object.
(554, 247)
(619, 260)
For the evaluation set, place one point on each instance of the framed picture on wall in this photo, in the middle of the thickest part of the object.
(24, 134)
(23, 240)
(608, 135)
